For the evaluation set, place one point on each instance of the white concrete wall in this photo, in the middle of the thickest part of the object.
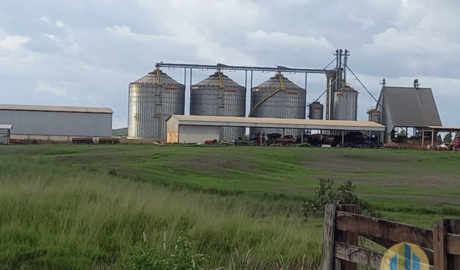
(196, 134)
(172, 130)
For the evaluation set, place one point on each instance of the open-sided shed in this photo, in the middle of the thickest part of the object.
(193, 128)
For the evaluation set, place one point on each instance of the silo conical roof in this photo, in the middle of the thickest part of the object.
(214, 81)
(274, 83)
(347, 89)
(151, 78)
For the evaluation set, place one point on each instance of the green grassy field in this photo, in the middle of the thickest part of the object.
(82, 207)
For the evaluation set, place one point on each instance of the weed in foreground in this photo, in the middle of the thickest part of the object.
(325, 194)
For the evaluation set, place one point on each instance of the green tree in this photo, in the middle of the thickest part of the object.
(439, 138)
(448, 138)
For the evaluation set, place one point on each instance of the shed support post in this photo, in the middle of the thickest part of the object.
(301, 136)
(423, 138)
(283, 132)
(8, 136)
(432, 139)
(343, 138)
(369, 134)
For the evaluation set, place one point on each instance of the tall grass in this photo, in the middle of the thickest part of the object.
(57, 216)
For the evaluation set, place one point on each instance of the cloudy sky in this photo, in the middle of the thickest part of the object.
(86, 52)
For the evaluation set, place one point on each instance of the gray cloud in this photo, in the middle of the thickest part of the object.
(86, 52)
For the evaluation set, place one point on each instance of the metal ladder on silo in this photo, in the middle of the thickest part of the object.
(281, 88)
(221, 86)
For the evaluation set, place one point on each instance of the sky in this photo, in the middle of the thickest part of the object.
(86, 52)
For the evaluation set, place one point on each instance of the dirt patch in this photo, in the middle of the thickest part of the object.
(349, 162)
(216, 164)
(437, 200)
(380, 169)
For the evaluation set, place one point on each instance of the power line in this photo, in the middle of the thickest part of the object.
(369, 92)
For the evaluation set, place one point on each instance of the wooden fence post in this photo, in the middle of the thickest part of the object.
(439, 247)
(452, 226)
(347, 237)
(327, 261)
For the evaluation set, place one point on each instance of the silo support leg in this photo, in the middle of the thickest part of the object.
(343, 138)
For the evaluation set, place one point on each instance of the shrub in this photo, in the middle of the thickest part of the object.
(325, 194)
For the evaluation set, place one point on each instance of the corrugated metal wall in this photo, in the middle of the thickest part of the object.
(208, 98)
(196, 134)
(58, 123)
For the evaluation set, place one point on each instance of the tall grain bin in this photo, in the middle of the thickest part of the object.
(316, 111)
(152, 99)
(346, 104)
(218, 95)
(278, 98)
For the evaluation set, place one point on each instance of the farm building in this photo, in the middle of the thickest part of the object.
(407, 107)
(56, 123)
(195, 129)
(5, 131)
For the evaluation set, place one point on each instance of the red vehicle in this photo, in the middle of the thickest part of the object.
(456, 143)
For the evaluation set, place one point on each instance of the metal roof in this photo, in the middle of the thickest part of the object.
(41, 108)
(214, 81)
(274, 83)
(152, 78)
(411, 107)
(198, 120)
(440, 128)
(3, 126)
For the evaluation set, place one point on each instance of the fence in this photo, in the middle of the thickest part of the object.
(343, 225)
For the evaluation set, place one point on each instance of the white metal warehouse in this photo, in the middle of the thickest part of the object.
(195, 129)
(56, 123)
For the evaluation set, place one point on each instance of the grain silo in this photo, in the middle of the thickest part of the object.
(278, 98)
(346, 104)
(218, 95)
(152, 99)
(374, 115)
(316, 111)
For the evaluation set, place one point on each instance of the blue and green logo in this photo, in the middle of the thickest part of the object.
(405, 256)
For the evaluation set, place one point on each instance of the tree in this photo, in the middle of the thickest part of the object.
(448, 138)
(439, 138)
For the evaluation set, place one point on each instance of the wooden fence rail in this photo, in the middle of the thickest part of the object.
(343, 225)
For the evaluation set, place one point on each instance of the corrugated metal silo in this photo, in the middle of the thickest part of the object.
(316, 111)
(278, 97)
(346, 104)
(152, 99)
(374, 115)
(218, 95)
